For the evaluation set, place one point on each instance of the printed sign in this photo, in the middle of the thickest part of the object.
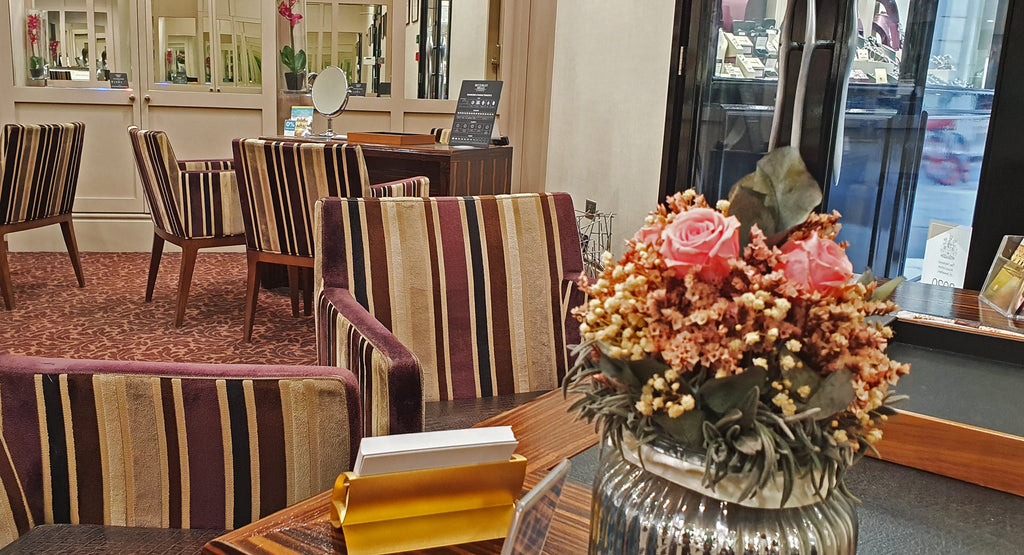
(945, 254)
(357, 89)
(475, 113)
(119, 80)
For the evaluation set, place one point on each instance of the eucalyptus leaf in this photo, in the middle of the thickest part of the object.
(687, 428)
(749, 444)
(617, 369)
(835, 394)
(886, 290)
(867, 277)
(778, 196)
(722, 394)
(646, 368)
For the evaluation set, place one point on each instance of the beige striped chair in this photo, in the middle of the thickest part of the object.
(193, 204)
(446, 298)
(167, 445)
(279, 182)
(38, 177)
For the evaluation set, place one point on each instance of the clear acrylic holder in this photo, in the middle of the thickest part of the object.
(1004, 286)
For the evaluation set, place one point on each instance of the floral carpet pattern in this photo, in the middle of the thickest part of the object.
(108, 319)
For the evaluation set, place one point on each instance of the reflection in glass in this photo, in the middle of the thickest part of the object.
(182, 42)
(352, 37)
(473, 26)
(238, 30)
(913, 133)
(64, 42)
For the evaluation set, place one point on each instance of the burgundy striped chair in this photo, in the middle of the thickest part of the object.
(38, 177)
(279, 182)
(193, 204)
(165, 445)
(446, 298)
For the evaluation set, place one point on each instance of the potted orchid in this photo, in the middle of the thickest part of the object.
(35, 61)
(736, 369)
(294, 60)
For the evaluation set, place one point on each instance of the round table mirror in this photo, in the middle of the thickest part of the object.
(330, 95)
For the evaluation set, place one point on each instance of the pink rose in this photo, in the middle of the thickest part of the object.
(816, 264)
(647, 234)
(701, 238)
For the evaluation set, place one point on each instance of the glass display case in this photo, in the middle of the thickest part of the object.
(910, 124)
(75, 43)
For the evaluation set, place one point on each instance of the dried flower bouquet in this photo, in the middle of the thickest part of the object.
(738, 330)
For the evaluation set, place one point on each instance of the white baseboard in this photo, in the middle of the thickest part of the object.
(98, 233)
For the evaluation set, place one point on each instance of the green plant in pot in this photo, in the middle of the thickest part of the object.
(35, 63)
(294, 60)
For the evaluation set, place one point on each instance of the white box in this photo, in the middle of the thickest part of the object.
(404, 452)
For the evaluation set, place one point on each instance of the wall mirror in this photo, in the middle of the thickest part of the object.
(181, 33)
(238, 30)
(453, 40)
(352, 37)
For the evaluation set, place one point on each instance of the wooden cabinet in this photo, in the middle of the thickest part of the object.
(453, 171)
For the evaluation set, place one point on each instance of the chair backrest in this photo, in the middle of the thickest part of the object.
(279, 183)
(173, 445)
(478, 288)
(161, 178)
(39, 170)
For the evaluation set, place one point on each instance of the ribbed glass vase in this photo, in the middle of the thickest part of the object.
(637, 511)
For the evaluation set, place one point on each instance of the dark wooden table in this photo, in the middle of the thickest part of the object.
(453, 171)
(547, 433)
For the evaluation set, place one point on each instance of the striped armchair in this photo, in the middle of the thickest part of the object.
(193, 204)
(446, 298)
(279, 182)
(38, 177)
(165, 445)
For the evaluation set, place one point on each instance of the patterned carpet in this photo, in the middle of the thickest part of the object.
(109, 320)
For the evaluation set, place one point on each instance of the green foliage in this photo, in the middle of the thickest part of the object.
(778, 196)
(734, 421)
(35, 62)
(294, 61)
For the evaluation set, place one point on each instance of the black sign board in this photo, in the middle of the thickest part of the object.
(475, 112)
(357, 89)
(119, 80)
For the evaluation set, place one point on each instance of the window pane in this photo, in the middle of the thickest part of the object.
(238, 28)
(181, 42)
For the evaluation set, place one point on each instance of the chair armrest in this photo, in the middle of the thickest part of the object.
(206, 165)
(390, 383)
(210, 204)
(572, 297)
(12, 500)
(412, 187)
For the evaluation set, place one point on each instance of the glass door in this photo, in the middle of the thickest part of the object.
(897, 145)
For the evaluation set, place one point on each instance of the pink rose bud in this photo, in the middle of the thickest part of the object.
(701, 238)
(816, 264)
(647, 234)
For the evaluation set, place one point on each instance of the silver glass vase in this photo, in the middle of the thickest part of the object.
(637, 511)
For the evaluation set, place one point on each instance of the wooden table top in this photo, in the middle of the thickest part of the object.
(547, 433)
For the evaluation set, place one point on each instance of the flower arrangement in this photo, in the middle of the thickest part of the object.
(55, 51)
(294, 60)
(738, 330)
(35, 62)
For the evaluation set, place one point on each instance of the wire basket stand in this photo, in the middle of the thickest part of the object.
(595, 239)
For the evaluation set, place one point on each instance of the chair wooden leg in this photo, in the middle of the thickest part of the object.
(307, 291)
(293, 289)
(6, 288)
(154, 265)
(252, 290)
(68, 230)
(188, 264)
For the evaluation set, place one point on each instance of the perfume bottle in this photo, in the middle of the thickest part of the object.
(1005, 290)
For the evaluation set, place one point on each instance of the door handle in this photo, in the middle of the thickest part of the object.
(131, 98)
(146, 98)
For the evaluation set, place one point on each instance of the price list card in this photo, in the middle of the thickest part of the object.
(475, 112)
